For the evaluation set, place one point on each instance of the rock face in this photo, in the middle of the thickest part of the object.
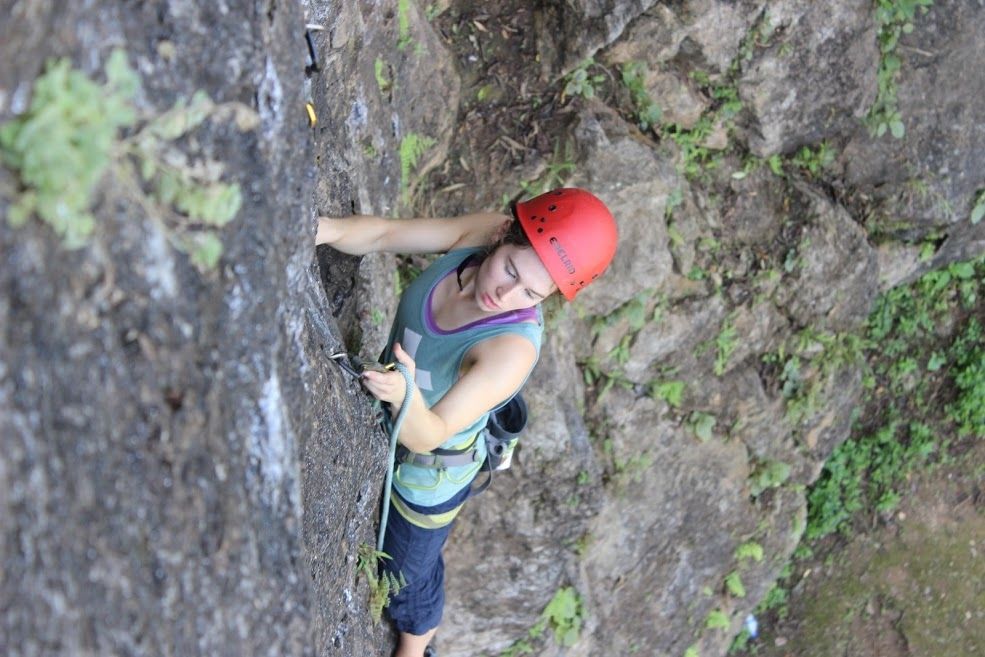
(182, 471)
(925, 184)
(790, 109)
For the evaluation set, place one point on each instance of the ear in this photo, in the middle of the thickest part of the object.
(501, 230)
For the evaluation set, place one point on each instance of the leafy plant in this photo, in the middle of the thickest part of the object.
(695, 156)
(968, 410)
(403, 24)
(766, 475)
(894, 18)
(412, 147)
(727, 98)
(382, 586)
(70, 139)
(565, 614)
(978, 210)
(380, 72)
(776, 601)
(65, 142)
(749, 550)
(725, 344)
(560, 166)
(702, 425)
(580, 82)
(814, 160)
(648, 113)
(717, 620)
(733, 584)
(671, 392)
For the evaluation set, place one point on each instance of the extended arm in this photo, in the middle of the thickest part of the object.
(496, 369)
(362, 234)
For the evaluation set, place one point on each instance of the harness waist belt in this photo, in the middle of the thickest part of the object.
(439, 458)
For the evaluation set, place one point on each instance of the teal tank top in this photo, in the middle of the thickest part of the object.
(438, 358)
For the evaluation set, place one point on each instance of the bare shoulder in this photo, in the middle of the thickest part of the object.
(507, 354)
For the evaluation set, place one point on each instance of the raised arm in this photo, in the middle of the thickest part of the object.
(362, 234)
(498, 367)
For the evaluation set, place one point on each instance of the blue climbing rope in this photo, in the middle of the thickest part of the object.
(394, 433)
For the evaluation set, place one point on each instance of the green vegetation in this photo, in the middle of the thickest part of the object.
(648, 113)
(909, 357)
(560, 166)
(861, 473)
(70, 139)
(978, 210)
(380, 72)
(412, 147)
(733, 584)
(749, 550)
(580, 82)
(432, 11)
(766, 475)
(776, 600)
(696, 157)
(381, 586)
(813, 160)
(968, 410)
(564, 614)
(725, 344)
(894, 19)
(702, 425)
(671, 392)
(403, 24)
(65, 142)
(717, 620)
(806, 364)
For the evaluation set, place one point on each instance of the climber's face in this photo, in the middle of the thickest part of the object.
(511, 278)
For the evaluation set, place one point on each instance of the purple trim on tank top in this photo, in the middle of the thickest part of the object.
(511, 317)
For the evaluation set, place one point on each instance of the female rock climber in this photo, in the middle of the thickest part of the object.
(468, 330)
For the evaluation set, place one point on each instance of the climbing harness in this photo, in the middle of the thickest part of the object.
(501, 434)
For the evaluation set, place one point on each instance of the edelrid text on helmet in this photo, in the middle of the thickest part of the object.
(573, 234)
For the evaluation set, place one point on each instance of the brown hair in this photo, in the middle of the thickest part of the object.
(514, 235)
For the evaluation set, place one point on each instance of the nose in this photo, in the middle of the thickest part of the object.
(505, 289)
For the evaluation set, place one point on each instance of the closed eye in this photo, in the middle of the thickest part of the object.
(512, 272)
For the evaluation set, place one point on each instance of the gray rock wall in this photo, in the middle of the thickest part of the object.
(183, 472)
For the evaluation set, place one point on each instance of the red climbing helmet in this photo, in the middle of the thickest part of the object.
(573, 233)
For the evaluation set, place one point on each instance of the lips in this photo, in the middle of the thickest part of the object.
(486, 299)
